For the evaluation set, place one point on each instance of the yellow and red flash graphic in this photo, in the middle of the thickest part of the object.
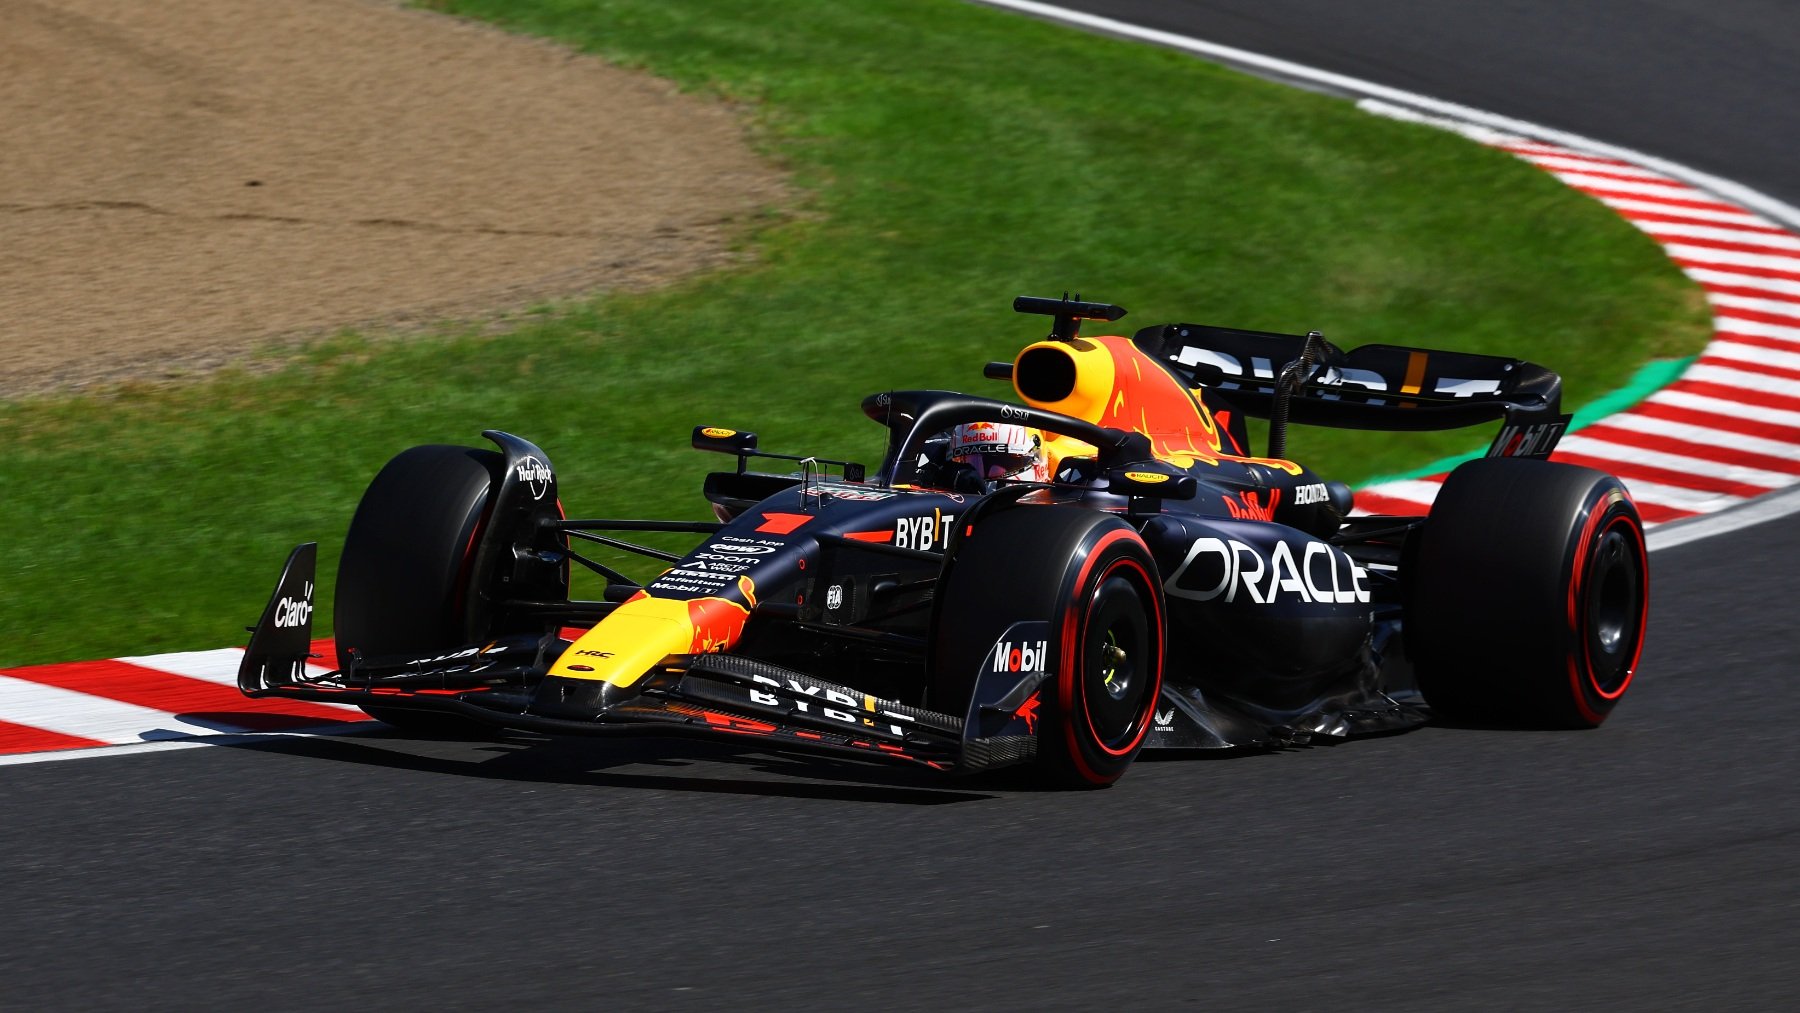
(1120, 387)
(645, 630)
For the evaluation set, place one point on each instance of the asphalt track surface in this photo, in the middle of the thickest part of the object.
(1647, 865)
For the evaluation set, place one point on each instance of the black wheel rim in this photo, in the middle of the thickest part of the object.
(1614, 607)
(1116, 663)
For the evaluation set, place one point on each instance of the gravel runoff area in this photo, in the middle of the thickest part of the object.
(183, 182)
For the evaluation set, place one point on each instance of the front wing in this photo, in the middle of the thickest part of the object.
(505, 683)
(714, 695)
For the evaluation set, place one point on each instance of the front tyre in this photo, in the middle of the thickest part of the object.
(403, 578)
(1090, 576)
(1530, 595)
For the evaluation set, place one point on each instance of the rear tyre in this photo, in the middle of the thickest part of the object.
(1530, 594)
(403, 578)
(1092, 578)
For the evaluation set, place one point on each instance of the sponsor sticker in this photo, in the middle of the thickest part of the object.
(716, 433)
(832, 703)
(700, 568)
(1023, 656)
(1225, 568)
(1146, 477)
(1028, 713)
(292, 612)
(926, 532)
(536, 476)
(1527, 441)
(710, 583)
(721, 557)
(848, 492)
(1248, 506)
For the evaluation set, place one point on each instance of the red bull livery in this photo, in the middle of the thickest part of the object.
(1056, 582)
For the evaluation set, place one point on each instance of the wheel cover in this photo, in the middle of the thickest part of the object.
(1116, 664)
(1614, 606)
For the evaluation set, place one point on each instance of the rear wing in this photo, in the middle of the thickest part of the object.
(1388, 387)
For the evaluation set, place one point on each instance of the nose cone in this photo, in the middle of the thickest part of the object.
(622, 648)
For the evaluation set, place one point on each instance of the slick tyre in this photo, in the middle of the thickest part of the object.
(403, 578)
(1092, 578)
(1530, 594)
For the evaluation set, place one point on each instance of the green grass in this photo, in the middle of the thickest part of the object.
(946, 157)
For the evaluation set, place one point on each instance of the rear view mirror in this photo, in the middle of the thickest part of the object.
(724, 441)
(1151, 479)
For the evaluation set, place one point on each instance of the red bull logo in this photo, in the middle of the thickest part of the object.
(717, 623)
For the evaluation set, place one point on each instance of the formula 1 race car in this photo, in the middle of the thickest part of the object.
(1059, 583)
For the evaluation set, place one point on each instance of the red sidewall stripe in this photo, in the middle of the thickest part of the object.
(1143, 719)
(1643, 616)
(1580, 666)
(1071, 667)
(1581, 663)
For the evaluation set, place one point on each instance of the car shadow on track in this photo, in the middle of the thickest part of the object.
(693, 766)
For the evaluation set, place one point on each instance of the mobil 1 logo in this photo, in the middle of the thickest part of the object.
(1024, 647)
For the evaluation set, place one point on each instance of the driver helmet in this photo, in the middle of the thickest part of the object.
(1000, 450)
